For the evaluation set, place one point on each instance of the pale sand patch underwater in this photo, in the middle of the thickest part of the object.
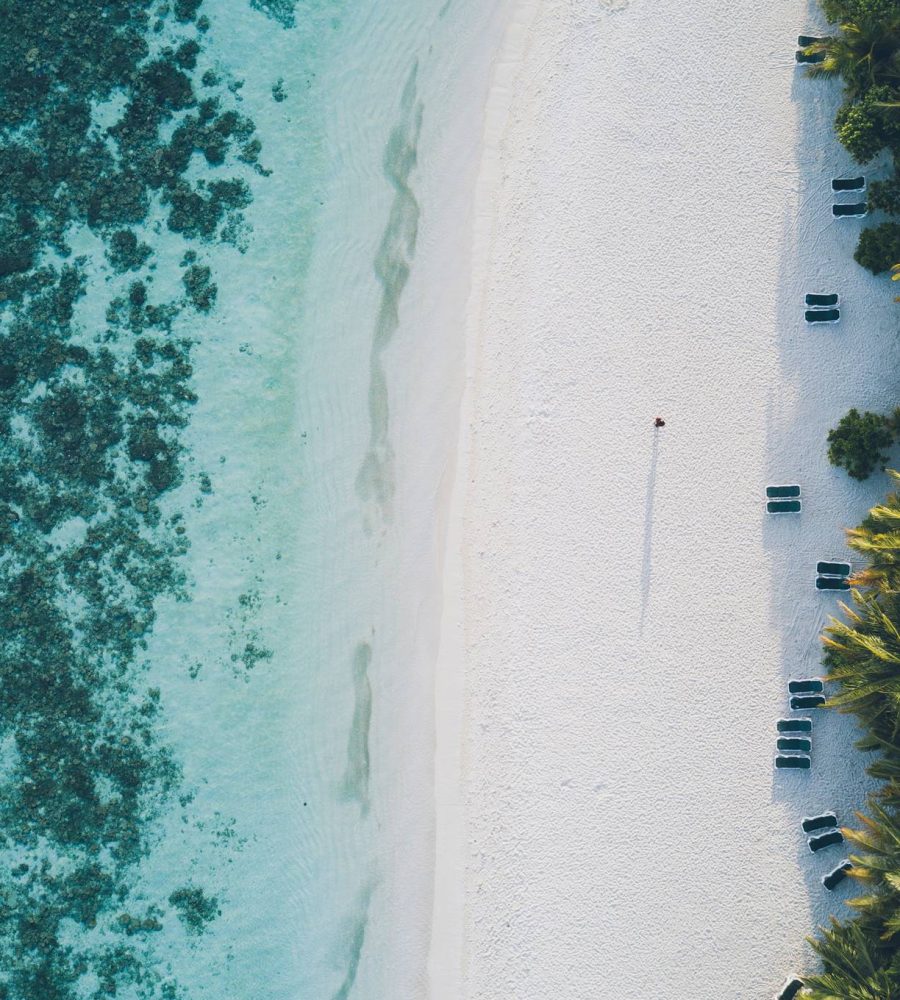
(654, 205)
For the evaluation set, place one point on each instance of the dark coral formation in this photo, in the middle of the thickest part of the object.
(100, 118)
(194, 907)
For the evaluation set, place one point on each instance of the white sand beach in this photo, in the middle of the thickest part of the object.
(620, 615)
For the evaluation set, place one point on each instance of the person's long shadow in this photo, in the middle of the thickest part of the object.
(648, 530)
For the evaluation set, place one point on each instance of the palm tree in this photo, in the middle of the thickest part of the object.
(861, 957)
(864, 54)
(879, 869)
(864, 656)
(878, 537)
(854, 969)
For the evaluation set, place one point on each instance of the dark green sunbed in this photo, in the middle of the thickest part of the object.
(834, 878)
(822, 301)
(810, 57)
(799, 701)
(848, 183)
(825, 821)
(794, 725)
(809, 685)
(814, 316)
(783, 506)
(790, 989)
(854, 211)
(805, 40)
(798, 762)
(794, 743)
(831, 583)
(782, 492)
(827, 568)
(825, 840)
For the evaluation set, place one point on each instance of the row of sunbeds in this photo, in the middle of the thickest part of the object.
(826, 822)
(783, 499)
(794, 743)
(822, 308)
(832, 575)
(849, 185)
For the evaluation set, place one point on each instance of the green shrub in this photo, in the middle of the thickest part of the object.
(858, 443)
(854, 10)
(885, 195)
(879, 247)
(864, 128)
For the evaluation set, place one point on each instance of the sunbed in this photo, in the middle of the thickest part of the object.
(794, 725)
(825, 840)
(794, 743)
(824, 821)
(790, 989)
(804, 40)
(848, 183)
(815, 301)
(822, 316)
(811, 57)
(854, 211)
(809, 685)
(827, 568)
(835, 877)
(788, 492)
(831, 583)
(783, 506)
(799, 701)
(792, 762)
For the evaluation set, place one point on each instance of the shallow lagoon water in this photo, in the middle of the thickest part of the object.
(266, 670)
(279, 785)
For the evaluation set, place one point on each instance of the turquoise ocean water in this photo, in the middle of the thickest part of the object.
(212, 213)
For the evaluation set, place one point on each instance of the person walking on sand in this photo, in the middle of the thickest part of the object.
(659, 422)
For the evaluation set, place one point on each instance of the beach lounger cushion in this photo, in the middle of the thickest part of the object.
(831, 583)
(794, 743)
(794, 725)
(799, 701)
(824, 821)
(813, 316)
(804, 40)
(797, 762)
(815, 301)
(853, 211)
(809, 685)
(825, 840)
(848, 183)
(835, 877)
(783, 506)
(790, 989)
(782, 492)
(814, 57)
(826, 567)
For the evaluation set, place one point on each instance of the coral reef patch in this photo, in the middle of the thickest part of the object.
(113, 137)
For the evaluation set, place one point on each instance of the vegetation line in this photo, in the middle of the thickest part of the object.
(860, 955)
